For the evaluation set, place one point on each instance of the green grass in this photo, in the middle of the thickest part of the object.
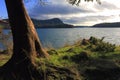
(63, 56)
(86, 58)
(102, 56)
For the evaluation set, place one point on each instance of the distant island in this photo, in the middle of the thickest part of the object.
(111, 25)
(49, 23)
(57, 23)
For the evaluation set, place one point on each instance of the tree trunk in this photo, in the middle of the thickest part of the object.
(26, 44)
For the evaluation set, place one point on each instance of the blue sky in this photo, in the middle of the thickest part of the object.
(3, 12)
(84, 14)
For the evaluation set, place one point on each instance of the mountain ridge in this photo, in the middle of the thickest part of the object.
(49, 23)
(113, 25)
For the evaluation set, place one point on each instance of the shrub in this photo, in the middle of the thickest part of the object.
(100, 45)
(93, 40)
(85, 42)
(105, 47)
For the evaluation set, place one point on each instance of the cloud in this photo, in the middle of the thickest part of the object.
(60, 7)
(61, 10)
(105, 5)
(87, 20)
(57, 9)
(85, 14)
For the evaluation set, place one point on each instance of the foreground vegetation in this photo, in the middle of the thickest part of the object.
(88, 59)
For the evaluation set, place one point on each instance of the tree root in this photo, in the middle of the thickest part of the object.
(22, 71)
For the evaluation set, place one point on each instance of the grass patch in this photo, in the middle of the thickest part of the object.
(91, 59)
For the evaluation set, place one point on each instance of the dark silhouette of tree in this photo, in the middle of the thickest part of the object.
(26, 45)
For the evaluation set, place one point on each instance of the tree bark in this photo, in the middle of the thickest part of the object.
(26, 44)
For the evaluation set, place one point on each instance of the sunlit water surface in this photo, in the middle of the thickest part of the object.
(61, 36)
(58, 37)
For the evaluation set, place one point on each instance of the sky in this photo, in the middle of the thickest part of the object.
(86, 14)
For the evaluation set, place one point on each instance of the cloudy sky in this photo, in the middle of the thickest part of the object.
(84, 14)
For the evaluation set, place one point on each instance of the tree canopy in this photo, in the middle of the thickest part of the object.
(76, 2)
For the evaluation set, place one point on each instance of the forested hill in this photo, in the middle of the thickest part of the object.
(49, 23)
(116, 24)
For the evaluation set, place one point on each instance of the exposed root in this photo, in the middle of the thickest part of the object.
(20, 71)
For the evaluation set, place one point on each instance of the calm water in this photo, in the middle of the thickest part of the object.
(59, 37)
